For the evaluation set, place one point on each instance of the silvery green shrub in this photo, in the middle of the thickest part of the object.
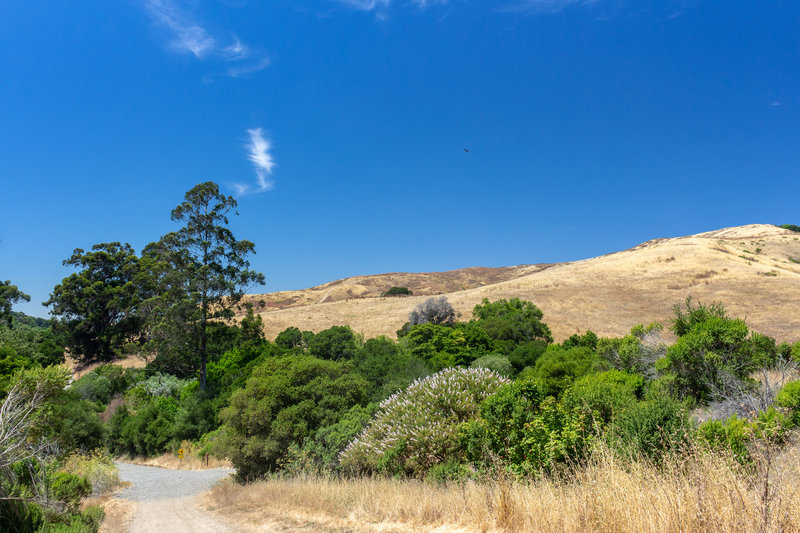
(417, 428)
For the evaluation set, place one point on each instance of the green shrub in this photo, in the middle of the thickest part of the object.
(653, 427)
(527, 430)
(322, 450)
(729, 436)
(291, 337)
(97, 467)
(147, 431)
(386, 367)
(285, 401)
(94, 388)
(450, 471)
(398, 291)
(604, 395)
(526, 354)
(557, 368)
(712, 348)
(70, 489)
(418, 428)
(444, 346)
(789, 398)
(76, 425)
(336, 343)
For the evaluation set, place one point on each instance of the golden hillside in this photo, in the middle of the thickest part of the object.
(753, 270)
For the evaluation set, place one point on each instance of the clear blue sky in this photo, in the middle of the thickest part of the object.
(341, 124)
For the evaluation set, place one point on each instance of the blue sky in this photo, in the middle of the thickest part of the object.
(341, 126)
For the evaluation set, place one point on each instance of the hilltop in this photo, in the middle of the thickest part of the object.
(753, 270)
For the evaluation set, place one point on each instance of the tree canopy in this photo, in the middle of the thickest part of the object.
(95, 308)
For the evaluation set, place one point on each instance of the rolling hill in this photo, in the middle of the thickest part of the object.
(753, 270)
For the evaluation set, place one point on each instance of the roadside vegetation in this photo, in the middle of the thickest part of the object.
(481, 422)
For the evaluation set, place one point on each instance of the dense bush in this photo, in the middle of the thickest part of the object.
(291, 337)
(398, 291)
(789, 398)
(323, 449)
(446, 346)
(557, 368)
(147, 431)
(336, 343)
(526, 354)
(386, 367)
(286, 400)
(75, 424)
(604, 395)
(418, 428)
(511, 322)
(653, 427)
(712, 351)
(69, 489)
(740, 437)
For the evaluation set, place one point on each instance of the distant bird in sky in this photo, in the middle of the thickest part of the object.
(466, 150)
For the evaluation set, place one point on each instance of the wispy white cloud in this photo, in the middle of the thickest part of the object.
(240, 71)
(258, 152)
(543, 6)
(381, 6)
(187, 35)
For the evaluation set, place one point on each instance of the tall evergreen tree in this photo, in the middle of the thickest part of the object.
(200, 273)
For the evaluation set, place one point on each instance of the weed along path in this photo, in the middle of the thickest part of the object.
(167, 500)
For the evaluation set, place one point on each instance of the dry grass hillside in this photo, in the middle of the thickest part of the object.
(753, 270)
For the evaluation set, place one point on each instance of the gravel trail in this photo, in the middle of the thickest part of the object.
(166, 500)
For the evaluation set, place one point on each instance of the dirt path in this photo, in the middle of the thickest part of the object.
(167, 500)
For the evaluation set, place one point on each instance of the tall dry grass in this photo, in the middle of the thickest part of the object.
(698, 492)
(191, 459)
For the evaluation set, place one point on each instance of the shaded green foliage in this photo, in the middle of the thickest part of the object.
(658, 425)
(511, 322)
(10, 295)
(96, 306)
(557, 368)
(386, 367)
(446, 346)
(712, 348)
(526, 354)
(398, 291)
(336, 343)
(286, 400)
(527, 430)
(789, 399)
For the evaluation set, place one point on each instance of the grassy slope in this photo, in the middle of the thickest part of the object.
(607, 294)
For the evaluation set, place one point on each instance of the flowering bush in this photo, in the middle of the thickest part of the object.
(417, 428)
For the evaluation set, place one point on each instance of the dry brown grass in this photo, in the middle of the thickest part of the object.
(173, 462)
(699, 493)
(633, 286)
(119, 513)
(80, 369)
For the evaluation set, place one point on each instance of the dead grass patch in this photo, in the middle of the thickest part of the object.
(119, 513)
(171, 461)
(698, 493)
